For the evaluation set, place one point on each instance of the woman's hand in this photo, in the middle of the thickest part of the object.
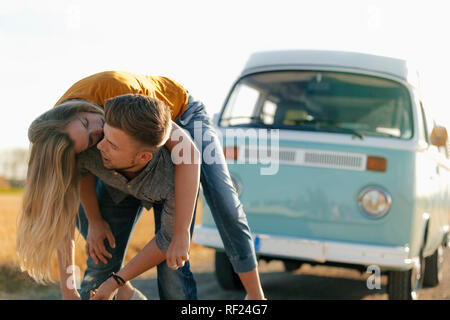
(95, 246)
(105, 291)
(99, 229)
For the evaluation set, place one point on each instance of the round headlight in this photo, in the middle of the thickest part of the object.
(375, 202)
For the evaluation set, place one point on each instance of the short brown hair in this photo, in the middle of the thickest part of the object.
(144, 118)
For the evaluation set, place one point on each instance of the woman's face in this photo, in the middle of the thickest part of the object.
(86, 129)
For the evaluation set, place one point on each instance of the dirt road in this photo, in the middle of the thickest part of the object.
(306, 283)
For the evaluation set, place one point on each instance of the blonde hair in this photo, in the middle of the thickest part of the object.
(51, 194)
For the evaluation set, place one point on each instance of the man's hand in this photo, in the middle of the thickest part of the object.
(178, 252)
(95, 247)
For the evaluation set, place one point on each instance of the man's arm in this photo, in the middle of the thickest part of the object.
(186, 180)
(98, 228)
(147, 258)
(151, 255)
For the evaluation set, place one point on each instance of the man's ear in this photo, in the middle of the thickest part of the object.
(145, 156)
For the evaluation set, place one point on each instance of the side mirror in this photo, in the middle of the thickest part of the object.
(439, 136)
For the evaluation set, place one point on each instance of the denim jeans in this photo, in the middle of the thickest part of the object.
(122, 218)
(218, 189)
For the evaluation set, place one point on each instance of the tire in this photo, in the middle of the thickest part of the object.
(291, 265)
(433, 268)
(227, 278)
(405, 285)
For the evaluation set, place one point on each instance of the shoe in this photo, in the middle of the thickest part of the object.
(137, 295)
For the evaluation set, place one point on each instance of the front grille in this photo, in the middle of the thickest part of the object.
(346, 161)
(306, 157)
(287, 155)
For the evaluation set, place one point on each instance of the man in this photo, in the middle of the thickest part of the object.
(138, 172)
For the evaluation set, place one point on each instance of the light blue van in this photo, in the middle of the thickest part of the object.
(353, 171)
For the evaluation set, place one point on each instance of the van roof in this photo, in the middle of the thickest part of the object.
(296, 59)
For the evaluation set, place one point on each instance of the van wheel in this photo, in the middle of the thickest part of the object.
(291, 265)
(433, 268)
(227, 278)
(405, 285)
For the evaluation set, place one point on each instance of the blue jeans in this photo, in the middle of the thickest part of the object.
(122, 218)
(219, 191)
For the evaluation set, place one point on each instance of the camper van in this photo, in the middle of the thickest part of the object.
(337, 160)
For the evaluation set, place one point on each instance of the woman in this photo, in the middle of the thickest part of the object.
(51, 194)
(215, 179)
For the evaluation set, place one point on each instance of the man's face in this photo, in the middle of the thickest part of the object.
(85, 130)
(120, 151)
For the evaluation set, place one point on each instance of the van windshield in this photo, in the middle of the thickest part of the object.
(321, 101)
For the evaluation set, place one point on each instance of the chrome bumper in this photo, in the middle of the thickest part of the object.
(391, 258)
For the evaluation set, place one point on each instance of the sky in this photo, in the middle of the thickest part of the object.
(46, 46)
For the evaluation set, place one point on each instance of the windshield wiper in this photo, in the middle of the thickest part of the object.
(382, 134)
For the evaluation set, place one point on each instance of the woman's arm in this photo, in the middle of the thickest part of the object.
(186, 178)
(98, 228)
(67, 268)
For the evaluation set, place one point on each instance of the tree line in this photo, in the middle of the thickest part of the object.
(13, 165)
